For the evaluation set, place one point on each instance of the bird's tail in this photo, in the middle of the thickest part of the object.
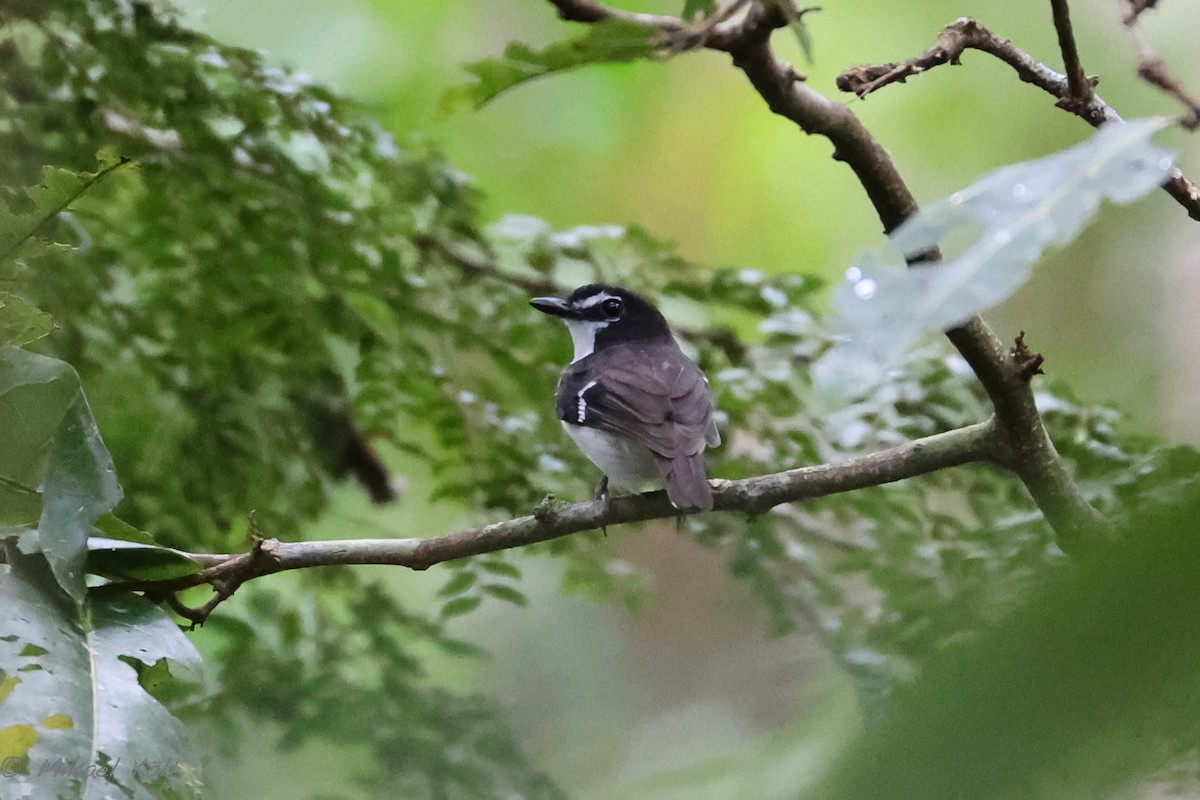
(687, 482)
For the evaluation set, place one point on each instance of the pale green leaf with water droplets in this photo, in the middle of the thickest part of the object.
(1012, 215)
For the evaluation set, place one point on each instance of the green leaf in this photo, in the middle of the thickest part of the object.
(124, 560)
(80, 485)
(21, 322)
(610, 41)
(803, 37)
(795, 18)
(505, 568)
(459, 583)
(30, 209)
(698, 8)
(35, 393)
(1011, 216)
(82, 701)
(506, 593)
(53, 443)
(20, 506)
(115, 528)
(377, 315)
(459, 606)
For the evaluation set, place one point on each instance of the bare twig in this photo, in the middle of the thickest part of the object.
(1079, 88)
(1153, 69)
(224, 573)
(553, 519)
(681, 35)
(589, 11)
(1030, 362)
(956, 38)
(1138, 6)
(964, 34)
(196, 616)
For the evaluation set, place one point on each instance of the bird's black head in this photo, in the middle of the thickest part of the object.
(599, 315)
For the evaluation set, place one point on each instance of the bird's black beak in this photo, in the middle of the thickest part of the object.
(554, 307)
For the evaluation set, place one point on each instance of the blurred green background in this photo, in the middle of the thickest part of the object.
(689, 697)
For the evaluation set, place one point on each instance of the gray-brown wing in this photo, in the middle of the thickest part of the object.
(658, 397)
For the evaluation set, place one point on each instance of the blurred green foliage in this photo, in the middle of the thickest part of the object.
(610, 41)
(280, 289)
(1088, 688)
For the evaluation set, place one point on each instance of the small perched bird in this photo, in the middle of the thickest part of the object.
(638, 408)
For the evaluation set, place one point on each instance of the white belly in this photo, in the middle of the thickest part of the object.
(627, 463)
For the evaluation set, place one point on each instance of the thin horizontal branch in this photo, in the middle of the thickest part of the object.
(967, 34)
(553, 519)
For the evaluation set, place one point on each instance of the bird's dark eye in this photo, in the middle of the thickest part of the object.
(612, 307)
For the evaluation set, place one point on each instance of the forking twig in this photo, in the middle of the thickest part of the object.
(964, 34)
(1153, 69)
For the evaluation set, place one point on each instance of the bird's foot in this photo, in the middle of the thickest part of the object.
(602, 496)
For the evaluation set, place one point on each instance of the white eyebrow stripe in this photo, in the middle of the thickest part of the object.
(581, 405)
(595, 300)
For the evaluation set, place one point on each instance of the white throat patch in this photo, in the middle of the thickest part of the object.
(583, 336)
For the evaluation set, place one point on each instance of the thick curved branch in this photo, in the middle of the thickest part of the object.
(553, 519)
(967, 34)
